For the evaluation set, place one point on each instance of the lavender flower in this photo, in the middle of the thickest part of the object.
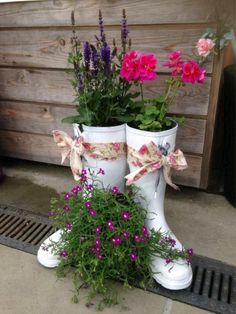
(124, 31)
(94, 59)
(101, 26)
(87, 54)
(190, 252)
(106, 55)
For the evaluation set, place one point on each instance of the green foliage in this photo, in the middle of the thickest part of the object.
(91, 253)
(153, 112)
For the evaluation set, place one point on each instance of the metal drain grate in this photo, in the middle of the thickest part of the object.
(214, 283)
(213, 287)
(23, 230)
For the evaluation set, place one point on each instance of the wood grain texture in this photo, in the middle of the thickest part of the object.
(57, 12)
(50, 48)
(211, 118)
(43, 118)
(191, 175)
(54, 86)
(42, 148)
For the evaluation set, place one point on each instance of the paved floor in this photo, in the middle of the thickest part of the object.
(203, 221)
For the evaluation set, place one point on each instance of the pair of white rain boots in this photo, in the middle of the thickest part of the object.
(152, 187)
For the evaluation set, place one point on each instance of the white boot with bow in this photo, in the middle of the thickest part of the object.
(112, 174)
(152, 187)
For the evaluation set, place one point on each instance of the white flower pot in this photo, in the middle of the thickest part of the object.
(115, 171)
(152, 188)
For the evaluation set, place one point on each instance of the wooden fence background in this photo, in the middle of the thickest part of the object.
(35, 89)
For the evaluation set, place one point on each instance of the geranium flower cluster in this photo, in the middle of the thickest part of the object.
(104, 235)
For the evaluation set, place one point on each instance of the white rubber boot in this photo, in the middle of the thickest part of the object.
(115, 170)
(114, 173)
(152, 188)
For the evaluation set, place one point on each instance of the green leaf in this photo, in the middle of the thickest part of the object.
(222, 43)
(160, 99)
(228, 36)
(71, 119)
(149, 110)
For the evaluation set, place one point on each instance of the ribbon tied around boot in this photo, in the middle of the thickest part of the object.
(71, 149)
(149, 158)
(75, 149)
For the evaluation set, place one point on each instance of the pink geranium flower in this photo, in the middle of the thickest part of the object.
(204, 46)
(175, 62)
(192, 72)
(138, 66)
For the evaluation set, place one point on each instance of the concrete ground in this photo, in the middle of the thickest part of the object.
(200, 220)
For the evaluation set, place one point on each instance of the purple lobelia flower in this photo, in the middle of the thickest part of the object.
(64, 253)
(88, 204)
(190, 252)
(98, 230)
(115, 190)
(133, 256)
(87, 55)
(68, 226)
(110, 225)
(145, 231)
(116, 241)
(66, 208)
(125, 215)
(125, 235)
(168, 260)
(92, 212)
(66, 196)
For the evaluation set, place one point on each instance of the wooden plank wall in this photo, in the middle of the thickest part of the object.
(35, 89)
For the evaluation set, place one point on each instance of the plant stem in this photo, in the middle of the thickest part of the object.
(141, 90)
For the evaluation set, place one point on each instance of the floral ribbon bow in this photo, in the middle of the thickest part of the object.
(150, 158)
(75, 149)
(71, 149)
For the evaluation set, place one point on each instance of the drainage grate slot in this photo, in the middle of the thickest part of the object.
(213, 286)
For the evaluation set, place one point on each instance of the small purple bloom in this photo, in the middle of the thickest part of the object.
(168, 260)
(115, 190)
(50, 214)
(68, 226)
(145, 231)
(83, 178)
(110, 225)
(137, 238)
(92, 212)
(89, 305)
(101, 171)
(66, 196)
(125, 215)
(172, 242)
(190, 252)
(78, 188)
(133, 256)
(64, 253)
(125, 235)
(98, 242)
(98, 230)
(100, 257)
(83, 171)
(89, 187)
(88, 204)
(116, 241)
